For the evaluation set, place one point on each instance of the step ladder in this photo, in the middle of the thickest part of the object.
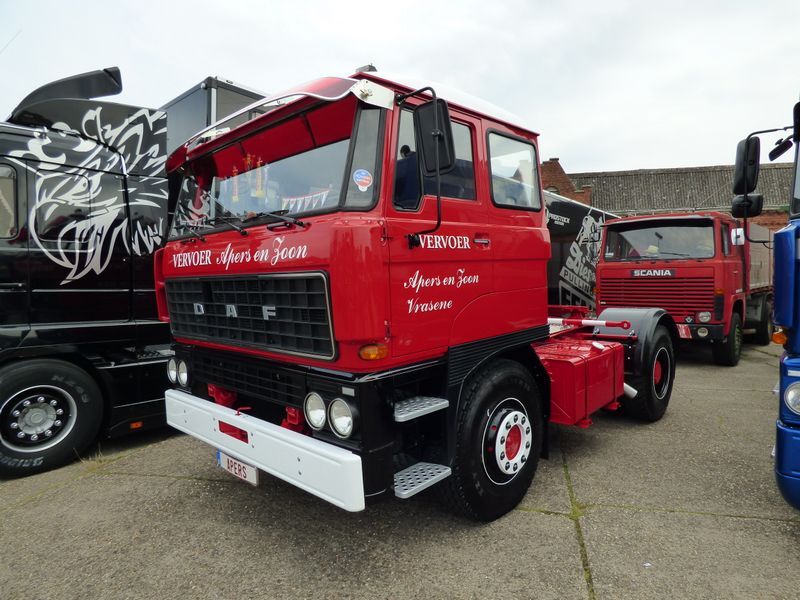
(418, 406)
(412, 480)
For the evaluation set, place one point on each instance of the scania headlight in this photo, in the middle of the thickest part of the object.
(172, 370)
(342, 418)
(314, 409)
(792, 397)
(704, 317)
(183, 373)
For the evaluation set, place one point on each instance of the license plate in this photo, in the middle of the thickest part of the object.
(684, 332)
(237, 468)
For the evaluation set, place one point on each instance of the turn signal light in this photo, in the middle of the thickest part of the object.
(779, 337)
(136, 425)
(374, 351)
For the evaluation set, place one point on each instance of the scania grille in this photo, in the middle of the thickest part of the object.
(284, 313)
(679, 296)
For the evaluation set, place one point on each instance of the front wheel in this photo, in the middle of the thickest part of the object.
(727, 353)
(50, 411)
(498, 442)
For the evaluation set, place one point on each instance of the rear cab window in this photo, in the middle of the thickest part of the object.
(8, 202)
(512, 172)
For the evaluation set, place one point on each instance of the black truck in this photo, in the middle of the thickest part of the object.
(83, 207)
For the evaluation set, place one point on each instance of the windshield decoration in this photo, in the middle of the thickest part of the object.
(363, 179)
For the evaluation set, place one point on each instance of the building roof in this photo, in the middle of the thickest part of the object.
(704, 188)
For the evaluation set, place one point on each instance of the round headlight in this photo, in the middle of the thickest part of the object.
(314, 409)
(172, 370)
(704, 317)
(792, 397)
(183, 373)
(341, 417)
(702, 332)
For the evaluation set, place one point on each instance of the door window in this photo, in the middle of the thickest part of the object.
(8, 202)
(512, 167)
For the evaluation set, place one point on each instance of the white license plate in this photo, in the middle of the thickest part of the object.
(237, 468)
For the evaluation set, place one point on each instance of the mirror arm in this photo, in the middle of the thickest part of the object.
(413, 238)
(746, 228)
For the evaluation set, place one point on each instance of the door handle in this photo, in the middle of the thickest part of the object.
(481, 241)
(12, 286)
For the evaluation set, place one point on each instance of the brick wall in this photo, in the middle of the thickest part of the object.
(554, 179)
(772, 219)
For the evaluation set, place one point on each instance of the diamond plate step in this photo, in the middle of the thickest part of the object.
(418, 477)
(415, 407)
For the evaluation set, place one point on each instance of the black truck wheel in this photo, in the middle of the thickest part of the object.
(654, 385)
(727, 353)
(763, 334)
(49, 412)
(498, 442)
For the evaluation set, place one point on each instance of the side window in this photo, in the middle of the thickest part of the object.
(512, 167)
(8, 202)
(458, 183)
(63, 201)
(726, 239)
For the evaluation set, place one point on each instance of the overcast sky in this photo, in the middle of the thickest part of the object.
(609, 85)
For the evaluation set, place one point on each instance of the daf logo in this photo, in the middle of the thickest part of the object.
(230, 311)
(199, 309)
(268, 311)
(651, 272)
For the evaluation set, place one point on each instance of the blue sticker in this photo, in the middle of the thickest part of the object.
(363, 179)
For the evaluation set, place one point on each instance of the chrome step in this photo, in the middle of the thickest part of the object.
(415, 407)
(412, 480)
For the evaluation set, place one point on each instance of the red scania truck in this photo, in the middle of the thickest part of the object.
(356, 286)
(714, 280)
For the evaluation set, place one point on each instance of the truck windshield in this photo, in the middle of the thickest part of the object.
(664, 240)
(796, 194)
(298, 167)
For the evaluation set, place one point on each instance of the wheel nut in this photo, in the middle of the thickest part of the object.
(523, 420)
(502, 440)
(523, 459)
(527, 444)
(53, 402)
(14, 426)
(48, 433)
(527, 430)
(59, 411)
(502, 456)
(516, 466)
(26, 403)
(20, 435)
(57, 423)
(15, 413)
(34, 437)
(40, 399)
(516, 418)
(508, 466)
(508, 425)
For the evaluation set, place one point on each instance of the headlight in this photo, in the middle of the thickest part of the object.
(341, 417)
(314, 409)
(792, 397)
(704, 317)
(172, 370)
(183, 373)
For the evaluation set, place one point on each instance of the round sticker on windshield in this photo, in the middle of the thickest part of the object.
(363, 179)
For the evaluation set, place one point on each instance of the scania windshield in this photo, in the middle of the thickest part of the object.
(320, 161)
(660, 240)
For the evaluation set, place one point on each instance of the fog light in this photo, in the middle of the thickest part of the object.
(702, 332)
(792, 397)
(314, 409)
(704, 317)
(341, 417)
(183, 373)
(172, 370)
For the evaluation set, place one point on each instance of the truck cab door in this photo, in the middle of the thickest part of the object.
(435, 282)
(80, 267)
(13, 254)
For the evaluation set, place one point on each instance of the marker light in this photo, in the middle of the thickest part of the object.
(792, 397)
(374, 351)
(183, 373)
(314, 409)
(779, 337)
(341, 418)
(172, 370)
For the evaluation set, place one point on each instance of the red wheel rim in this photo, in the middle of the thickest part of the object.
(658, 373)
(513, 442)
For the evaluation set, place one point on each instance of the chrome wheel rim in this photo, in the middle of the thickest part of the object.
(36, 418)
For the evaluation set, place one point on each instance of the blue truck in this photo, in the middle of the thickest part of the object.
(786, 294)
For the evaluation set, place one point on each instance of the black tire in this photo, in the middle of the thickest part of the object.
(728, 352)
(41, 396)
(655, 383)
(763, 334)
(501, 394)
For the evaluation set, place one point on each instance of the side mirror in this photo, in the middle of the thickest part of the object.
(745, 172)
(737, 236)
(745, 208)
(425, 116)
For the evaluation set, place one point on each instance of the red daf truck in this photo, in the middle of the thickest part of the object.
(714, 280)
(356, 287)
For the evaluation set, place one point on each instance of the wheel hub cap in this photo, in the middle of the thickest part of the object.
(513, 442)
(36, 418)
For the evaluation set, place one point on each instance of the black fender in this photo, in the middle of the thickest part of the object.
(644, 322)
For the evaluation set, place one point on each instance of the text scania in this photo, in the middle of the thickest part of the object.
(444, 242)
(652, 272)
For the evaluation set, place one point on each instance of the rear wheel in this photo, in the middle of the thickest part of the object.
(498, 442)
(727, 353)
(654, 386)
(763, 334)
(50, 411)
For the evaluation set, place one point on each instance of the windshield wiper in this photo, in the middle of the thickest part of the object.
(230, 221)
(675, 253)
(195, 233)
(278, 214)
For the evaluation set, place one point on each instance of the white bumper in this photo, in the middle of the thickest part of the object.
(332, 473)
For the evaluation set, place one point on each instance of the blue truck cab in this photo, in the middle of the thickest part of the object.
(786, 296)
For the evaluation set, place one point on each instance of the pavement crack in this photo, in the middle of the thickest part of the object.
(575, 514)
(697, 513)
